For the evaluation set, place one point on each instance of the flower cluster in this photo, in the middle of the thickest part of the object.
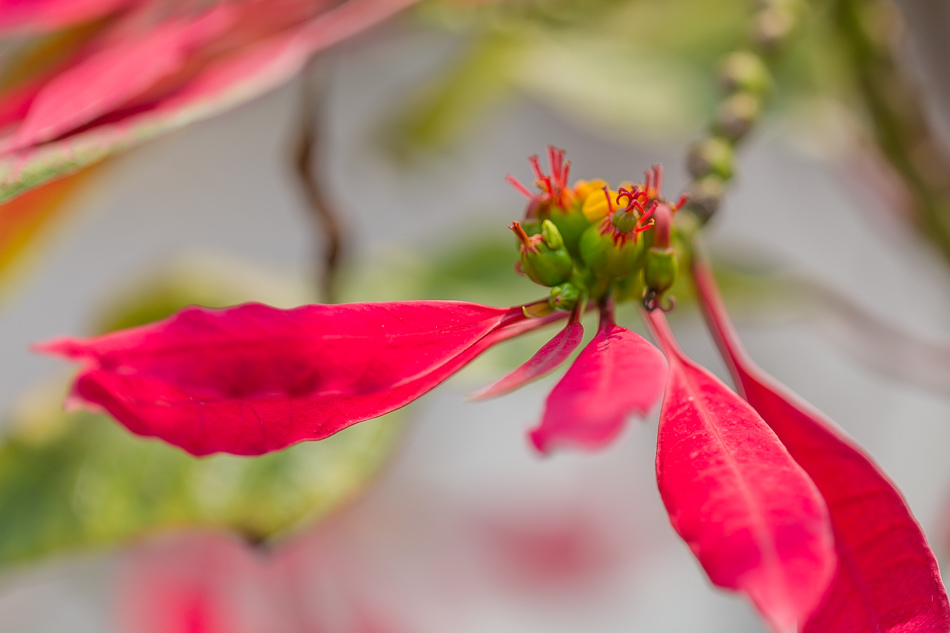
(772, 499)
(595, 241)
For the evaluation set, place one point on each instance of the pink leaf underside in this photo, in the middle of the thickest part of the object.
(253, 379)
(47, 15)
(751, 515)
(225, 80)
(887, 579)
(618, 374)
(111, 77)
(546, 360)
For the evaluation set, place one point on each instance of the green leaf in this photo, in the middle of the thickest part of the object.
(75, 481)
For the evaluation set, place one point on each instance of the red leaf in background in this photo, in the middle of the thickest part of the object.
(88, 108)
(44, 15)
(750, 514)
(618, 374)
(114, 75)
(253, 379)
(200, 582)
(887, 579)
(546, 360)
(209, 582)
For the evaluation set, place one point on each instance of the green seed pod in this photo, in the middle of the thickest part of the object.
(711, 157)
(772, 26)
(571, 224)
(659, 271)
(745, 72)
(564, 296)
(704, 197)
(543, 257)
(624, 221)
(605, 257)
(551, 235)
(735, 116)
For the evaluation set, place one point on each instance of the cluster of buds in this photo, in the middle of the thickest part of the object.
(587, 241)
(746, 82)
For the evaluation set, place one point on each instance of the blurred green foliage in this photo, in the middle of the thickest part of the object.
(640, 69)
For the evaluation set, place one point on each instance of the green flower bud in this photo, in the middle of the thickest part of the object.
(564, 296)
(659, 270)
(745, 72)
(543, 257)
(571, 224)
(711, 156)
(551, 236)
(736, 115)
(607, 257)
(704, 197)
(772, 26)
(624, 221)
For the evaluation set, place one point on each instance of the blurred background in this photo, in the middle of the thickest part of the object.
(829, 243)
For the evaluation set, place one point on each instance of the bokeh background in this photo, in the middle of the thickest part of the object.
(442, 517)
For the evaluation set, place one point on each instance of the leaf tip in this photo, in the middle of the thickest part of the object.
(541, 441)
(63, 347)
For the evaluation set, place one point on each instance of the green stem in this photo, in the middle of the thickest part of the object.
(898, 123)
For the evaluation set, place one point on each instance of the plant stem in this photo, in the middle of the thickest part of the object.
(308, 169)
(898, 123)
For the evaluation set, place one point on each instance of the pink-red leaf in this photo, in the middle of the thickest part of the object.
(212, 82)
(113, 76)
(618, 374)
(546, 360)
(748, 511)
(887, 579)
(253, 379)
(44, 15)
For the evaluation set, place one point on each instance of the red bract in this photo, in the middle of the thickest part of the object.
(254, 379)
(44, 15)
(150, 67)
(887, 579)
(546, 360)
(750, 514)
(618, 374)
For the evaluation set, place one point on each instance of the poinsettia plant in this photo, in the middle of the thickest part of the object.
(772, 499)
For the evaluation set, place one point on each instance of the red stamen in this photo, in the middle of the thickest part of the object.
(646, 227)
(679, 203)
(610, 207)
(629, 194)
(519, 231)
(567, 168)
(658, 178)
(517, 185)
(537, 168)
(646, 216)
